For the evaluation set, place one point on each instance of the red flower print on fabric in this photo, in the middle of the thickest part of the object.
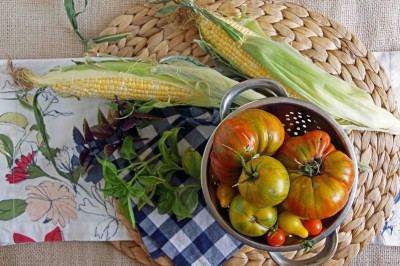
(54, 235)
(20, 171)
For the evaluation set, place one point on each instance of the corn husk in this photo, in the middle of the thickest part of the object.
(208, 85)
(351, 106)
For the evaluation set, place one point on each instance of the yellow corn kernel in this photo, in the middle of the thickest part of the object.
(232, 50)
(124, 88)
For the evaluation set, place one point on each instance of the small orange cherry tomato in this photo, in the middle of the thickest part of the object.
(225, 194)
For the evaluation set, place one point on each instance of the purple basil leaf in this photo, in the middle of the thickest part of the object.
(82, 157)
(101, 119)
(144, 116)
(101, 132)
(86, 130)
(109, 150)
(128, 124)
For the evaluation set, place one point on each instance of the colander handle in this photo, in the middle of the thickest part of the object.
(265, 86)
(326, 253)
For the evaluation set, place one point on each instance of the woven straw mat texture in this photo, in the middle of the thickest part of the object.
(332, 47)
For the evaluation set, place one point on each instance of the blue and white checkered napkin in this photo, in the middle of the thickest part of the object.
(199, 240)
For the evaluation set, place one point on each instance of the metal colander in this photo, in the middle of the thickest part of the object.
(298, 117)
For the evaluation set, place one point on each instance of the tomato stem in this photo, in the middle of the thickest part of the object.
(251, 173)
(312, 167)
(253, 219)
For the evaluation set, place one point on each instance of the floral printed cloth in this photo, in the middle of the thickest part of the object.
(44, 197)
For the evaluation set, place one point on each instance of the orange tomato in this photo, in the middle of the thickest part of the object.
(225, 194)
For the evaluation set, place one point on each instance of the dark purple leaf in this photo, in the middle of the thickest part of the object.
(82, 157)
(101, 119)
(109, 150)
(128, 124)
(87, 131)
(102, 132)
(144, 116)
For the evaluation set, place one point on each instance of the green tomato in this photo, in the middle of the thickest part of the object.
(265, 183)
(250, 220)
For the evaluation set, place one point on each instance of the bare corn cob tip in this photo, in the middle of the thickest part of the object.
(20, 75)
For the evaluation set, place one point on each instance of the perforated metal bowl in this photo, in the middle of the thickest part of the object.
(298, 117)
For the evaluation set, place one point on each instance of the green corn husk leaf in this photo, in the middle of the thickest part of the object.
(351, 106)
(208, 85)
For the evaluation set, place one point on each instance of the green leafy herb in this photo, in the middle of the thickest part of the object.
(154, 177)
(191, 163)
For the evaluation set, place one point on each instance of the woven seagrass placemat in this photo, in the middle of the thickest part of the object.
(329, 45)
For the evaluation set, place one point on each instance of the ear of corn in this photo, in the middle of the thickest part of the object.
(258, 56)
(174, 82)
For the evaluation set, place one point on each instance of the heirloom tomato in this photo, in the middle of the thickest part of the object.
(264, 181)
(251, 132)
(250, 220)
(321, 177)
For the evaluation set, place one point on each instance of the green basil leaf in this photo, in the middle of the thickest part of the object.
(145, 200)
(110, 172)
(125, 205)
(127, 151)
(149, 181)
(178, 208)
(165, 171)
(191, 163)
(189, 198)
(166, 201)
(137, 192)
(171, 154)
(11, 208)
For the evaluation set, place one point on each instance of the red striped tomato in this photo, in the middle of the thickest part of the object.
(251, 132)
